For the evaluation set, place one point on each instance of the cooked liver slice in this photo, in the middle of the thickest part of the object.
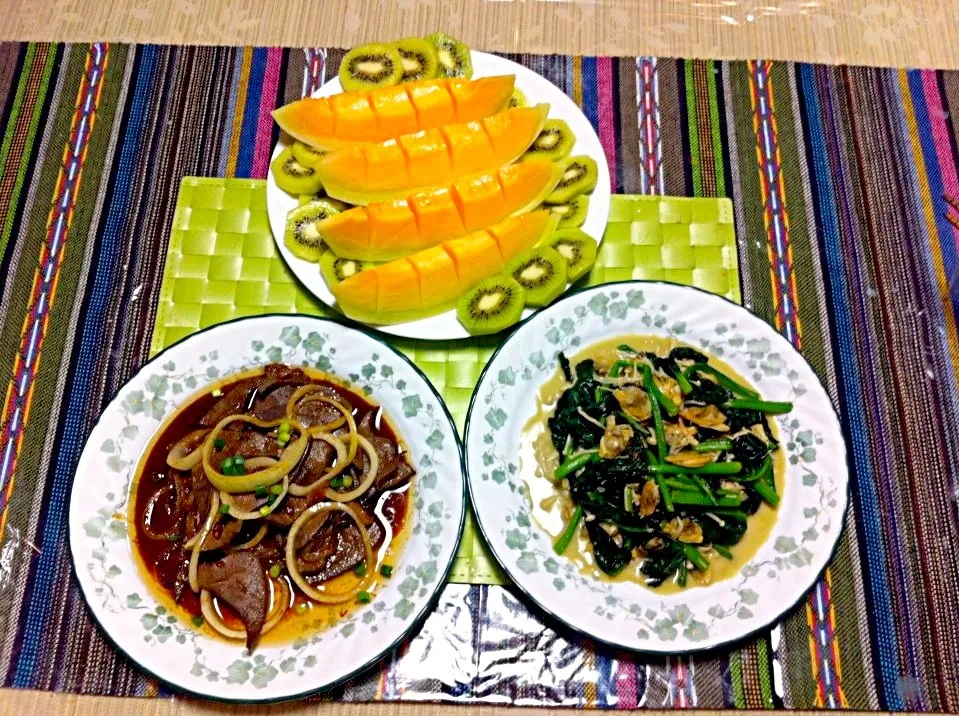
(239, 580)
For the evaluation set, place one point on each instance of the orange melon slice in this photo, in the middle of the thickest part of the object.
(387, 230)
(367, 117)
(363, 174)
(430, 281)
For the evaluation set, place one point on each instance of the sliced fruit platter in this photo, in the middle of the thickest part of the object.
(442, 193)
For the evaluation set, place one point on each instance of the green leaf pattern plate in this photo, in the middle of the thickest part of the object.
(626, 614)
(170, 647)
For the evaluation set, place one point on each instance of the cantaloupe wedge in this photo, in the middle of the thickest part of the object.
(365, 173)
(430, 281)
(387, 230)
(373, 116)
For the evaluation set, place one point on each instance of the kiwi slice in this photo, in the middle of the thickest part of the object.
(370, 65)
(307, 155)
(419, 58)
(571, 214)
(491, 305)
(541, 272)
(454, 56)
(578, 248)
(555, 141)
(293, 177)
(335, 269)
(302, 236)
(579, 177)
(518, 99)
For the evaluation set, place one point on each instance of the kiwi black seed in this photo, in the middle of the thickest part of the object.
(541, 272)
(554, 142)
(518, 99)
(579, 177)
(302, 236)
(371, 65)
(336, 269)
(571, 214)
(307, 155)
(454, 56)
(419, 58)
(578, 248)
(491, 306)
(292, 176)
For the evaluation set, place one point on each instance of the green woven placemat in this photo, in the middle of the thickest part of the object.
(222, 263)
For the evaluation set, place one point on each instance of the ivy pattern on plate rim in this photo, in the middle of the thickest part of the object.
(143, 409)
(528, 549)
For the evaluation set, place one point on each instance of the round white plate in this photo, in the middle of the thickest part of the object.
(169, 647)
(625, 614)
(537, 89)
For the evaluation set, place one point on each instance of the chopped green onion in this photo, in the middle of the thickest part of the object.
(713, 468)
(265, 510)
(566, 536)
(721, 378)
(226, 466)
(197, 620)
(285, 427)
(386, 570)
(301, 608)
(765, 406)
(718, 445)
(276, 489)
(174, 537)
(722, 551)
(336, 482)
(224, 509)
(275, 571)
(238, 465)
(216, 393)
(347, 481)
(573, 464)
(364, 598)
(360, 569)
(219, 444)
(657, 416)
(698, 559)
(260, 491)
(282, 439)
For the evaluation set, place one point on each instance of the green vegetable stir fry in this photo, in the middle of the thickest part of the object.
(663, 459)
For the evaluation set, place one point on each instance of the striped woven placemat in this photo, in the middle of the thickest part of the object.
(222, 263)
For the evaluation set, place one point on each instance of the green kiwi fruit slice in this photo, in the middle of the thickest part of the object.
(578, 248)
(302, 237)
(454, 56)
(579, 177)
(571, 214)
(541, 272)
(491, 305)
(293, 177)
(419, 58)
(555, 141)
(518, 99)
(371, 65)
(335, 269)
(307, 155)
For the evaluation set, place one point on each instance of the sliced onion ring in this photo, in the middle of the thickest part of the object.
(308, 589)
(305, 390)
(200, 539)
(368, 478)
(148, 514)
(179, 459)
(278, 606)
(253, 541)
(261, 478)
(341, 463)
(256, 514)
